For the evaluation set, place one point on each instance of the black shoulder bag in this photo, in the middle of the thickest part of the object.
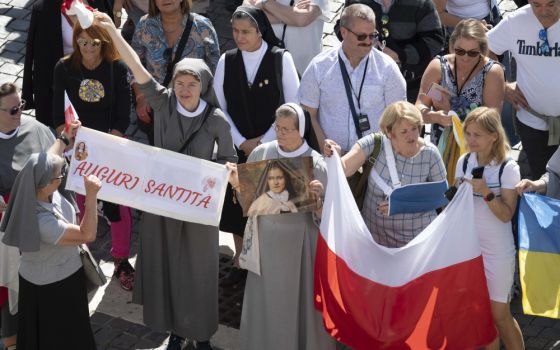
(359, 180)
(179, 52)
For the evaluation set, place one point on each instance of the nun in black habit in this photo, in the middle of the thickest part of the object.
(251, 81)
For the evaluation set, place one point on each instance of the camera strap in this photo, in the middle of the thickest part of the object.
(349, 91)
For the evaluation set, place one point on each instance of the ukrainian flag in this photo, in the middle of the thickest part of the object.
(539, 255)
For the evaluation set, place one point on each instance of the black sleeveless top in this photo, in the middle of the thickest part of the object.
(252, 108)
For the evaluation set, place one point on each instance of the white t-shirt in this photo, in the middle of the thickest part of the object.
(537, 75)
(252, 60)
(495, 235)
(304, 43)
(469, 8)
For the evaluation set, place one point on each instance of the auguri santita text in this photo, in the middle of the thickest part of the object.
(130, 182)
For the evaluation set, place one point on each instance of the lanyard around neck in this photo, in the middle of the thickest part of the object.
(468, 76)
(348, 83)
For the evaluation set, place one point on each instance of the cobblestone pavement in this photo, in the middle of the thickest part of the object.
(114, 331)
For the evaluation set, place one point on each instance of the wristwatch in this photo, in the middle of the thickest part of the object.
(64, 139)
(117, 14)
(489, 197)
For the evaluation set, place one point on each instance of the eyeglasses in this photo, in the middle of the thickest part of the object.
(62, 174)
(283, 130)
(462, 52)
(15, 110)
(93, 43)
(544, 49)
(363, 37)
(384, 27)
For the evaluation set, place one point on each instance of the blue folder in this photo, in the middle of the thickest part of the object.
(418, 198)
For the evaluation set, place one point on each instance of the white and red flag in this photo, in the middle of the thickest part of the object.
(429, 294)
(70, 113)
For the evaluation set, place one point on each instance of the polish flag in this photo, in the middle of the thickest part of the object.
(70, 113)
(429, 294)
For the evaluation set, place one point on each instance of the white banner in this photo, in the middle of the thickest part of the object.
(150, 179)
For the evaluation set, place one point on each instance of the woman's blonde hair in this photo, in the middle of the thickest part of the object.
(489, 120)
(397, 112)
(108, 51)
(470, 29)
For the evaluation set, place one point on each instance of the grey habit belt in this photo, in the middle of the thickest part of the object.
(553, 126)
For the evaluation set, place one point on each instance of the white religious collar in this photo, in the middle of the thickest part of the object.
(282, 196)
(255, 54)
(9, 136)
(298, 152)
(182, 111)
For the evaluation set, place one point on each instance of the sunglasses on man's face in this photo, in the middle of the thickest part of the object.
(15, 110)
(463, 52)
(362, 37)
(84, 42)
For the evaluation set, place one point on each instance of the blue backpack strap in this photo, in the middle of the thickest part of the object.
(465, 163)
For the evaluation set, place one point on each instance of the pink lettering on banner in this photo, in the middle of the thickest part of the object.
(108, 175)
(124, 180)
(177, 193)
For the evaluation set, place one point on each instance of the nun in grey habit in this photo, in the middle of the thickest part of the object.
(278, 310)
(40, 222)
(178, 261)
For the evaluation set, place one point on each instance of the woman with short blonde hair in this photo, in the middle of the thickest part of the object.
(397, 112)
(416, 161)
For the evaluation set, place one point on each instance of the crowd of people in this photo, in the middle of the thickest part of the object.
(401, 65)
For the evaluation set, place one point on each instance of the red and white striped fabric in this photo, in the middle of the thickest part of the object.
(429, 294)
(70, 113)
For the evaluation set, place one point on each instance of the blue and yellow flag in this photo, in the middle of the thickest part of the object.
(539, 255)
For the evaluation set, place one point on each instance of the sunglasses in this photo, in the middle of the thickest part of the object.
(84, 42)
(384, 28)
(15, 110)
(62, 174)
(470, 53)
(544, 49)
(362, 37)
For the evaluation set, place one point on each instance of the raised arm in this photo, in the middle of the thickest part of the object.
(128, 55)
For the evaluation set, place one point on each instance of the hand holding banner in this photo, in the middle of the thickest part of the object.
(150, 179)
